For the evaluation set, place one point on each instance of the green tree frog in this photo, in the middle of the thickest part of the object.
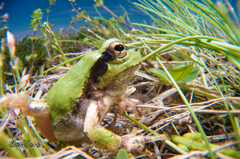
(78, 101)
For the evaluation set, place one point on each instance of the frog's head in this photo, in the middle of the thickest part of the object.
(115, 59)
(114, 48)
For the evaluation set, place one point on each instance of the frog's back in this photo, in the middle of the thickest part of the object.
(70, 87)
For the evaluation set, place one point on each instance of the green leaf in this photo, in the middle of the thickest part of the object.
(47, 10)
(99, 2)
(192, 76)
(54, 47)
(193, 136)
(121, 19)
(160, 74)
(52, 2)
(181, 72)
(122, 154)
(234, 60)
(81, 15)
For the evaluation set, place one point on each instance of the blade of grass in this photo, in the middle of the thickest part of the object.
(63, 63)
(176, 22)
(177, 41)
(190, 109)
(227, 19)
(12, 151)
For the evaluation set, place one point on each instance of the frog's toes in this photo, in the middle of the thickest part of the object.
(130, 103)
(12, 101)
(137, 143)
(134, 144)
(123, 101)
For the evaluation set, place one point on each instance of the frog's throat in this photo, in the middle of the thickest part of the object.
(116, 85)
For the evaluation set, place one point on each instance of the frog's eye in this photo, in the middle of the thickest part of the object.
(117, 49)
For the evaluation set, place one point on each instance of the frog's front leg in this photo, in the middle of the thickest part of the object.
(103, 137)
(124, 101)
(99, 135)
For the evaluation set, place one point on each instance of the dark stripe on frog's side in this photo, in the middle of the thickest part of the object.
(101, 66)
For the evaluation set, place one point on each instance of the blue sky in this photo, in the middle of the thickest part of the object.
(20, 10)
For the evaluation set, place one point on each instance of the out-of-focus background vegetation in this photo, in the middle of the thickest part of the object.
(187, 85)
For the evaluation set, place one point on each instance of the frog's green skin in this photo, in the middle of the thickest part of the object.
(79, 100)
